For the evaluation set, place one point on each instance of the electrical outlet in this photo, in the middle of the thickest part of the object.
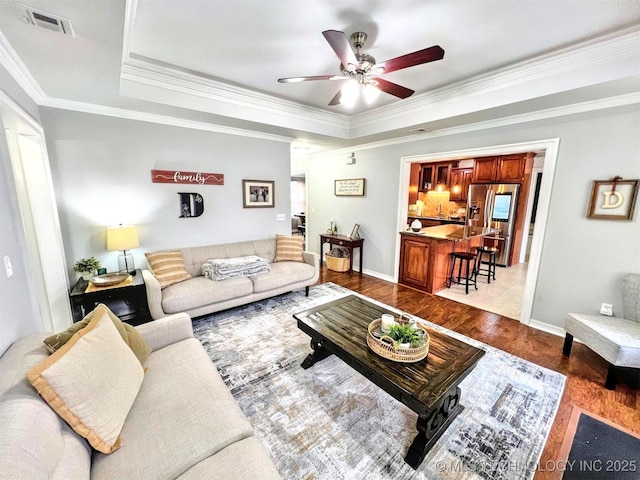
(606, 309)
(280, 217)
(7, 265)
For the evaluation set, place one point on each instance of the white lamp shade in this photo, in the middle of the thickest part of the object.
(122, 238)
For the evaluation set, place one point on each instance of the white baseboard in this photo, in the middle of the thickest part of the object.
(547, 327)
(378, 275)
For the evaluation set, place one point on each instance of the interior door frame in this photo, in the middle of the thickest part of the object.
(47, 276)
(550, 146)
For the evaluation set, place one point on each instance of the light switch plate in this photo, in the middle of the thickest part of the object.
(280, 217)
(7, 265)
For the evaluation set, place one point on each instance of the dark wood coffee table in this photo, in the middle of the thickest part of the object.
(429, 387)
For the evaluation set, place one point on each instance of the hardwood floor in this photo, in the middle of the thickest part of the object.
(585, 370)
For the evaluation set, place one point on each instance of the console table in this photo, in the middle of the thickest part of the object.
(342, 241)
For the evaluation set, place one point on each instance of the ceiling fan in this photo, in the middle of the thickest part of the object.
(362, 68)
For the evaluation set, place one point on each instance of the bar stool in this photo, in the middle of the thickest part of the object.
(470, 273)
(490, 271)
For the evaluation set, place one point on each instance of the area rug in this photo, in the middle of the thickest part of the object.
(330, 422)
(598, 449)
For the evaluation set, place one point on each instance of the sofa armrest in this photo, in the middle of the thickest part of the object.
(312, 258)
(166, 331)
(154, 295)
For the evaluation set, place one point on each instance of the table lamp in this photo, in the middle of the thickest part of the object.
(123, 238)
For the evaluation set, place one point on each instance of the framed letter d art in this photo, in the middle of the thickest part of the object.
(613, 199)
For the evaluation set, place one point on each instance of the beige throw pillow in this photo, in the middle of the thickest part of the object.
(91, 382)
(289, 249)
(129, 334)
(168, 267)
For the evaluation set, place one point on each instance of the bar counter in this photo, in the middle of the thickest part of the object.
(425, 256)
(452, 232)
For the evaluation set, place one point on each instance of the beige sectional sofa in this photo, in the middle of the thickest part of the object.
(200, 296)
(183, 423)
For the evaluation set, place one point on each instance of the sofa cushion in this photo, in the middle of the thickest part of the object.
(34, 441)
(129, 334)
(168, 267)
(289, 249)
(246, 459)
(73, 379)
(200, 291)
(282, 274)
(183, 414)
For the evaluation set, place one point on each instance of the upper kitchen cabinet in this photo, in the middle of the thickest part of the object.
(460, 181)
(502, 169)
(435, 174)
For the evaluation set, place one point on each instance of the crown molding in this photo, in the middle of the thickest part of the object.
(10, 60)
(171, 85)
(564, 69)
(573, 109)
(159, 119)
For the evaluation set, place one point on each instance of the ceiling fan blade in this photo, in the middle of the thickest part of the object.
(426, 55)
(311, 78)
(393, 88)
(336, 99)
(340, 44)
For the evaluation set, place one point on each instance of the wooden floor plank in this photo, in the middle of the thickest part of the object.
(585, 370)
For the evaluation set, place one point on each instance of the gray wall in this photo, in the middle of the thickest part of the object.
(582, 259)
(17, 313)
(101, 169)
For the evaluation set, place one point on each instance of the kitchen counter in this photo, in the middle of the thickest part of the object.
(444, 220)
(425, 256)
(452, 232)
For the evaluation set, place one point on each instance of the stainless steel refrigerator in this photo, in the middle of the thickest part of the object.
(494, 205)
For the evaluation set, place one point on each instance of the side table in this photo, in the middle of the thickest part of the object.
(342, 241)
(128, 302)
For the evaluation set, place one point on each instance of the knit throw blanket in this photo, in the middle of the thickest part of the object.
(223, 268)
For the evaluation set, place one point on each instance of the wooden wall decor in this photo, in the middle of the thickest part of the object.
(350, 187)
(191, 178)
(191, 204)
(613, 199)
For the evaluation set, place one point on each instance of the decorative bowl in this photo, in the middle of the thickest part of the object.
(108, 279)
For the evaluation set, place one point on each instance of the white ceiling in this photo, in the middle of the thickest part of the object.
(217, 62)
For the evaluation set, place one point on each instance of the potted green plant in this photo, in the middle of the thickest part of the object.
(87, 267)
(405, 335)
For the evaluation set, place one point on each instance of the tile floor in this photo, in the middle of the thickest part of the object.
(502, 296)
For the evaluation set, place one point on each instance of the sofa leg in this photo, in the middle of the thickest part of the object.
(568, 343)
(306, 291)
(612, 378)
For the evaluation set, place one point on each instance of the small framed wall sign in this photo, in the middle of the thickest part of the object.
(258, 194)
(613, 199)
(350, 187)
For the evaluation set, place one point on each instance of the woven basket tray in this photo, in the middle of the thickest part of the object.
(384, 348)
(337, 264)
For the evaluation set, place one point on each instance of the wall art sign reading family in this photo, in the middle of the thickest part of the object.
(191, 204)
(258, 194)
(349, 187)
(191, 178)
(613, 199)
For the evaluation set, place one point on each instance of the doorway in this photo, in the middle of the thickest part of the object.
(38, 214)
(298, 204)
(549, 148)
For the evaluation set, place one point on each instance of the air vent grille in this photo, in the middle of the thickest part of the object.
(48, 21)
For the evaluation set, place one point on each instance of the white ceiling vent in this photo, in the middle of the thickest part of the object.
(48, 21)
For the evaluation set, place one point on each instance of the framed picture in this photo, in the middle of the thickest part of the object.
(613, 199)
(350, 187)
(258, 194)
(354, 233)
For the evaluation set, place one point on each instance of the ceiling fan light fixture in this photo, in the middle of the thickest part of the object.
(349, 93)
(370, 93)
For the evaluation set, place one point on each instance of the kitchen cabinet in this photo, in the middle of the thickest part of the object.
(414, 258)
(459, 184)
(434, 174)
(502, 169)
